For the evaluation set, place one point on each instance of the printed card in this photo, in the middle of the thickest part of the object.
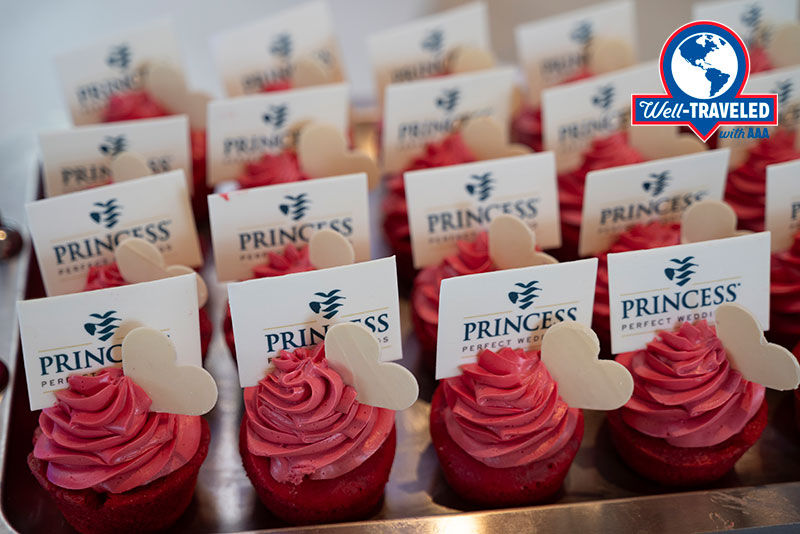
(118, 63)
(72, 233)
(303, 307)
(660, 288)
(575, 113)
(263, 52)
(248, 224)
(428, 110)
(753, 20)
(511, 308)
(80, 158)
(420, 49)
(243, 129)
(555, 49)
(82, 333)
(454, 203)
(783, 204)
(616, 199)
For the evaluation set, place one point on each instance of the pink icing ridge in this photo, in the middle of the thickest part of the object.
(104, 276)
(100, 434)
(133, 105)
(685, 390)
(308, 421)
(785, 290)
(505, 411)
(291, 260)
(272, 169)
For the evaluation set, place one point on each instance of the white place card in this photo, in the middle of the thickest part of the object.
(118, 63)
(420, 49)
(783, 203)
(574, 114)
(660, 190)
(660, 288)
(306, 305)
(243, 129)
(454, 203)
(554, 49)
(80, 158)
(511, 308)
(74, 232)
(428, 110)
(751, 19)
(82, 333)
(248, 224)
(264, 51)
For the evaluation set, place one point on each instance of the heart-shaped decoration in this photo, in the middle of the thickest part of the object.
(487, 139)
(353, 352)
(323, 152)
(167, 85)
(328, 248)
(607, 55)
(569, 351)
(141, 261)
(308, 73)
(149, 358)
(709, 219)
(764, 363)
(512, 244)
(469, 59)
(129, 166)
(784, 48)
(657, 142)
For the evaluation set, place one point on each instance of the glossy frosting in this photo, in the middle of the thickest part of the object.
(685, 390)
(100, 434)
(785, 290)
(133, 105)
(505, 411)
(272, 169)
(308, 422)
(104, 276)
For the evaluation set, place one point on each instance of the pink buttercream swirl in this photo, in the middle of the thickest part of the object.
(685, 390)
(100, 434)
(784, 290)
(104, 276)
(505, 411)
(272, 169)
(307, 421)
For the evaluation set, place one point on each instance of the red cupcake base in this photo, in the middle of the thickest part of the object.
(149, 508)
(487, 486)
(354, 495)
(657, 460)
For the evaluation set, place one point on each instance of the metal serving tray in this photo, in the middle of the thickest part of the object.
(599, 494)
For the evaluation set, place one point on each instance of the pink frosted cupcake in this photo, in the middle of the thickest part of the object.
(784, 291)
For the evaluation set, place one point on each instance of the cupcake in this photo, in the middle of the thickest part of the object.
(796, 353)
(503, 435)
(449, 151)
(784, 291)
(109, 464)
(105, 276)
(746, 187)
(314, 453)
(272, 169)
(691, 416)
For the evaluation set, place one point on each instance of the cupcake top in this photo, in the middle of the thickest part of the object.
(272, 169)
(686, 391)
(104, 276)
(291, 260)
(133, 105)
(505, 411)
(785, 279)
(100, 434)
(308, 422)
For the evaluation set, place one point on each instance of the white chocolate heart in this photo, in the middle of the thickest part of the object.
(129, 166)
(148, 357)
(512, 244)
(167, 85)
(607, 55)
(353, 352)
(487, 139)
(657, 142)
(469, 59)
(784, 48)
(328, 248)
(323, 152)
(307, 73)
(709, 219)
(764, 363)
(141, 261)
(569, 351)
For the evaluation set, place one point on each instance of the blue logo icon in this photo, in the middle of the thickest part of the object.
(104, 325)
(582, 34)
(276, 116)
(448, 100)
(108, 214)
(119, 57)
(281, 46)
(784, 90)
(656, 183)
(704, 68)
(113, 145)
(524, 296)
(604, 97)
(433, 41)
(296, 207)
(681, 271)
(482, 187)
(329, 306)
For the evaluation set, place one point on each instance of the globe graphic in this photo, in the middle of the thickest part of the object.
(704, 65)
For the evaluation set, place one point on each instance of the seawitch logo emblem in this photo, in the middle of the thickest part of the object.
(113, 145)
(482, 187)
(448, 100)
(681, 271)
(119, 57)
(525, 296)
(784, 90)
(108, 214)
(281, 46)
(330, 304)
(296, 207)
(276, 116)
(604, 97)
(657, 183)
(104, 325)
(582, 34)
(433, 41)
